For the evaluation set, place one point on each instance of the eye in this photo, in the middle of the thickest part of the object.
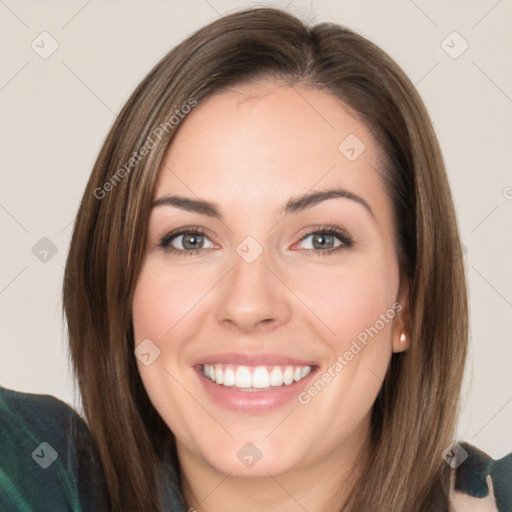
(323, 240)
(191, 240)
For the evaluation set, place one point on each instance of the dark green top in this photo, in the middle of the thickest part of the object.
(48, 462)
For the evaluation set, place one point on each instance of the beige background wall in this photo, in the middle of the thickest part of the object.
(55, 112)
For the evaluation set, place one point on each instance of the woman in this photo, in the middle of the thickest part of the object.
(265, 293)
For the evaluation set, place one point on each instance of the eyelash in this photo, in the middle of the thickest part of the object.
(341, 234)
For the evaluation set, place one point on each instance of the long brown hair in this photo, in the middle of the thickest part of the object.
(414, 416)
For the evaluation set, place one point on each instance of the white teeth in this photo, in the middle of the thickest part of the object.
(256, 377)
(243, 377)
(219, 377)
(229, 377)
(288, 375)
(276, 377)
(306, 370)
(260, 378)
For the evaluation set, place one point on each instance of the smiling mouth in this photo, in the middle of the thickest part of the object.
(254, 378)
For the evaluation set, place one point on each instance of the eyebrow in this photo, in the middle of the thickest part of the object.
(294, 205)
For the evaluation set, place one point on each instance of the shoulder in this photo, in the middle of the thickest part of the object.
(48, 456)
(478, 482)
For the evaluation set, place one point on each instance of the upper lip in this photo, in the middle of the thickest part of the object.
(239, 358)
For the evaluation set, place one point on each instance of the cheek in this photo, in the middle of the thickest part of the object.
(356, 307)
(160, 302)
(351, 299)
(162, 299)
(360, 310)
(151, 307)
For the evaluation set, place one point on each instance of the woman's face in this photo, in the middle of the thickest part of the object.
(297, 341)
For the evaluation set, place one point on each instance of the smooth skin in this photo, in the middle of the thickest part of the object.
(249, 150)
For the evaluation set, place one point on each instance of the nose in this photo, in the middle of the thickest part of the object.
(253, 298)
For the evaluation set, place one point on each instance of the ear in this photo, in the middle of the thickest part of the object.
(401, 335)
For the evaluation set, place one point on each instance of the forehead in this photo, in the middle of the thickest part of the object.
(262, 143)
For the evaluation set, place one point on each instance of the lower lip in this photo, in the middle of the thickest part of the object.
(253, 401)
